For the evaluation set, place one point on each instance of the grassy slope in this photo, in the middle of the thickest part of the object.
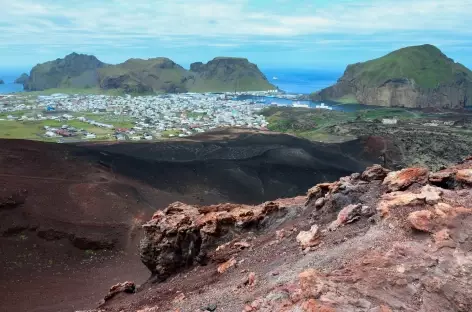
(33, 130)
(139, 71)
(311, 124)
(425, 64)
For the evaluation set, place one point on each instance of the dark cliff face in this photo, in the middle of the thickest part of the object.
(22, 79)
(73, 71)
(419, 77)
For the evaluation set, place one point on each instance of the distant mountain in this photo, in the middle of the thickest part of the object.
(73, 71)
(160, 75)
(22, 79)
(2, 82)
(139, 76)
(417, 76)
(228, 74)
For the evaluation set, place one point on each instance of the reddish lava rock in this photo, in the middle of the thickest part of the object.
(374, 262)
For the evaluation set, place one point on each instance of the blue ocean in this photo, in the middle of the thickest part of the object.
(9, 76)
(301, 81)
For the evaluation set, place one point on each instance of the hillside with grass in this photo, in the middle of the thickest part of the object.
(226, 74)
(73, 71)
(145, 76)
(417, 76)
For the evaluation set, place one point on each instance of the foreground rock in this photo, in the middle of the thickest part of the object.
(183, 234)
(385, 241)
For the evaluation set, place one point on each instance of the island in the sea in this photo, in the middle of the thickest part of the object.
(416, 77)
(156, 75)
(2, 82)
(22, 79)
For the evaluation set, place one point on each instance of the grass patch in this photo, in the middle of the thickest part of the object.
(170, 132)
(347, 99)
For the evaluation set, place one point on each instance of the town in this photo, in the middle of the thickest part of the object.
(102, 117)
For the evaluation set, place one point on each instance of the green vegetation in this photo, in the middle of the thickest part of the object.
(78, 71)
(304, 122)
(170, 132)
(425, 64)
(195, 115)
(144, 76)
(20, 130)
(85, 74)
(34, 130)
(313, 124)
(347, 99)
(423, 70)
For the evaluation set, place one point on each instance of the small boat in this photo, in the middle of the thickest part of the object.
(298, 104)
(323, 106)
(275, 78)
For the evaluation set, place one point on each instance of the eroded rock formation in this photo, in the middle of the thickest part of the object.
(377, 241)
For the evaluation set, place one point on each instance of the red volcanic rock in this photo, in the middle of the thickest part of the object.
(309, 238)
(464, 176)
(376, 172)
(422, 220)
(311, 284)
(400, 180)
(183, 234)
(226, 266)
(126, 287)
(376, 264)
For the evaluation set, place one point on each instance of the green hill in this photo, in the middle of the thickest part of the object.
(140, 76)
(22, 79)
(224, 74)
(156, 75)
(418, 76)
(73, 71)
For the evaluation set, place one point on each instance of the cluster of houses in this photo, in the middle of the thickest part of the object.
(165, 115)
(67, 131)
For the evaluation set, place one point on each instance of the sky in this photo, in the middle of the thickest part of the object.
(318, 34)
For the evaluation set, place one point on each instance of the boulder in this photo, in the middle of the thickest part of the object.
(309, 238)
(401, 180)
(375, 172)
(182, 234)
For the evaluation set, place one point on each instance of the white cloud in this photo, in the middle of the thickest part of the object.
(48, 24)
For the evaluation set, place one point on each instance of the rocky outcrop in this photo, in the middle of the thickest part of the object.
(22, 79)
(73, 71)
(420, 76)
(2, 82)
(181, 234)
(376, 241)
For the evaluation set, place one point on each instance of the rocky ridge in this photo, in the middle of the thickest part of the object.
(417, 77)
(378, 241)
